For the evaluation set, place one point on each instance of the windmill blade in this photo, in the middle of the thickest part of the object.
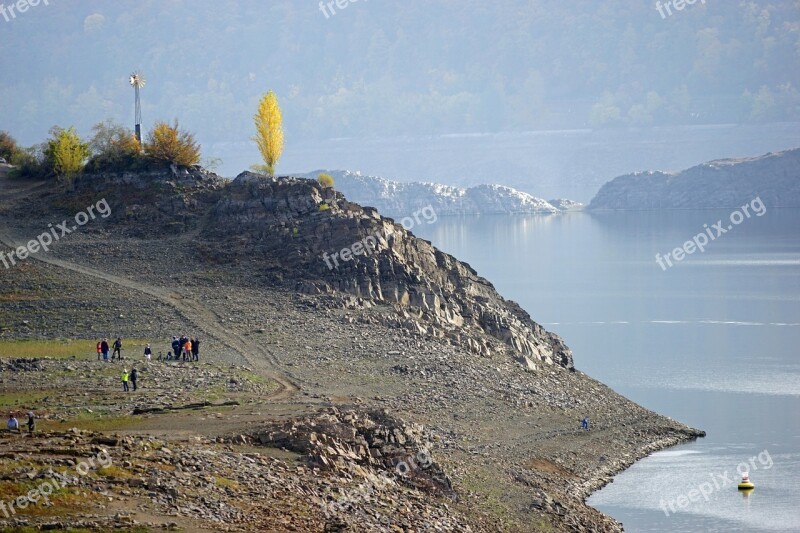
(137, 80)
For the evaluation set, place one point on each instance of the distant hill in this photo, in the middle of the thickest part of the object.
(398, 200)
(774, 177)
(410, 68)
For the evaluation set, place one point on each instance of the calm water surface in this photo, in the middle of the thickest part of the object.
(712, 341)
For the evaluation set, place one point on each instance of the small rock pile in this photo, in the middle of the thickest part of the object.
(21, 365)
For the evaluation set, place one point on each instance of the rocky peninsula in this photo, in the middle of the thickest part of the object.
(391, 390)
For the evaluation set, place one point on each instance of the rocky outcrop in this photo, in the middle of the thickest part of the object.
(351, 440)
(325, 243)
(400, 200)
(726, 183)
(299, 235)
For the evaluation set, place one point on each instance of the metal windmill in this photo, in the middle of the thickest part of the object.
(137, 81)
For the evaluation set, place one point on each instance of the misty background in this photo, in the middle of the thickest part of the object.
(553, 98)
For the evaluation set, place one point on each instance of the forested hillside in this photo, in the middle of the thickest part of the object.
(432, 67)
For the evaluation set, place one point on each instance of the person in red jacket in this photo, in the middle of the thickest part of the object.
(99, 350)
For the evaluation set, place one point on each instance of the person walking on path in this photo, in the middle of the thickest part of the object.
(13, 424)
(125, 381)
(148, 353)
(134, 377)
(585, 423)
(117, 349)
(196, 349)
(99, 350)
(104, 349)
(31, 422)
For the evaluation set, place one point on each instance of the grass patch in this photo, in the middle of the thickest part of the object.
(227, 483)
(97, 422)
(492, 499)
(113, 472)
(64, 501)
(137, 529)
(18, 295)
(23, 400)
(67, 348)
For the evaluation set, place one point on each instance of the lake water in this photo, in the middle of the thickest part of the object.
(712, 341)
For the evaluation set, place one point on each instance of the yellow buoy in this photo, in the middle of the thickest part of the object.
(745, 483)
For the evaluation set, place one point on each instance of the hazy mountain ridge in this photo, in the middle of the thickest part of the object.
(532, 65)
(400, 200)
(773, 177)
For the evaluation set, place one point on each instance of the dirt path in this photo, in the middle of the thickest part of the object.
(192, 311)
(258, 357)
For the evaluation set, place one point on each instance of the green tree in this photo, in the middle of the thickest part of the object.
(269, 131)
(8, 146)
(31, 162)
(66, 152)
(168, 144)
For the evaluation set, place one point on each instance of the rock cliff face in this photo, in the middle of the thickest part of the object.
(301, 236)
(727, 183)
(396, 199)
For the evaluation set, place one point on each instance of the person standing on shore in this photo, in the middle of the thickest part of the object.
(148, 353)
(104, 349)
(195, 349)
(117, 349)
(13, 424)
(99, 350)
(125, 381)
(134, 377)
(31, 422)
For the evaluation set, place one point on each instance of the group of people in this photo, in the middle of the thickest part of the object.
(13, 423)
(183, 348)
(103, 349)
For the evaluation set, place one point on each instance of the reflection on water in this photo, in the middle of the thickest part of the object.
(711, 342)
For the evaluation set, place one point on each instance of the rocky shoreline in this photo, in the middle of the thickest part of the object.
(404, 356)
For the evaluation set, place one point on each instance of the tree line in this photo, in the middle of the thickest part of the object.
(114, 148)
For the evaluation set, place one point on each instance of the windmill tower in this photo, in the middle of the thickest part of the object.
(137, 81)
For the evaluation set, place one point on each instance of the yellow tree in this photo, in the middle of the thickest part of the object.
(67, 152)
(269, 131)
(325, 181)
(168, 144)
